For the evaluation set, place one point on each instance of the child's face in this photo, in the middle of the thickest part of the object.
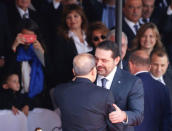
(13, 82)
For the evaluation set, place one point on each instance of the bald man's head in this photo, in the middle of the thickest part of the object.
(83, 64)
(140, 58)
(139, 61)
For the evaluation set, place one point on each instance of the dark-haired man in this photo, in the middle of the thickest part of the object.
(126, 88)
(156, 99)
(161, 70)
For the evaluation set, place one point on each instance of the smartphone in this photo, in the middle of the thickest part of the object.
(30, 38)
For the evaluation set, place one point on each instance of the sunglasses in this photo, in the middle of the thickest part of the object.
(96, 38)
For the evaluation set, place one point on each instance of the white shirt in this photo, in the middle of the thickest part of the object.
(109, 79)
(131, 25)
(169, 11)
(56, 4)
(160, 79)
(22, 12)
(81, 47)
(142, 22)
(140, 72)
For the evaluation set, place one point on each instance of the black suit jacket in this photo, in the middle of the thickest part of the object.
(15, 19)
(92, 13)
(4, 32)
(130, 34)
(157, 108)
(84, 106)
(129, 97)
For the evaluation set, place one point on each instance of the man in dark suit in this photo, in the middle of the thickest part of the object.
(84, 106)
(132, 13)
(161, 70)
(97, 11)
(156, 100)
(126, 88)
(17, 11)
(4, 37)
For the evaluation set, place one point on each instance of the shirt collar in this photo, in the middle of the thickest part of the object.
(21, 11)
(72, 35)
(110, 76)
(140, 72)
(56, 4)
(131, 24)
(156, 78)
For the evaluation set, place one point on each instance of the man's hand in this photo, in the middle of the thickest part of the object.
(118, 115)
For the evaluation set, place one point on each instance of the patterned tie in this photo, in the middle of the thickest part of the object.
(26, 16)
(136, 27)
(104, 80)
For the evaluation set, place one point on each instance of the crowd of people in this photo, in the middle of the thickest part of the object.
(45, 43)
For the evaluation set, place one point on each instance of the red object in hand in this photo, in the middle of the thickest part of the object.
(29, 38)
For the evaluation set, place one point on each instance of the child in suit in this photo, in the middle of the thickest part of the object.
(11, 98)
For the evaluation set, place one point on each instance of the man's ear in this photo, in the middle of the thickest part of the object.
(117, 59)
(5, 86)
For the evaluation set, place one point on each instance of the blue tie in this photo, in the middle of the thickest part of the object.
(104, 80)
(136, 28)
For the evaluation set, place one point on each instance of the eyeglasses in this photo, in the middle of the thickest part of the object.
(96, 38)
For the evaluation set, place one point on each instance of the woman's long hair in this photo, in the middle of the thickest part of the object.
(136, 41)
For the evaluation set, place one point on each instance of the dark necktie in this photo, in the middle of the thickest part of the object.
(104, 80)
(136, 27)
(145, 21)
(26, 16)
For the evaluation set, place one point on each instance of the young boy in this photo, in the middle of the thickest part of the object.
(11, 98)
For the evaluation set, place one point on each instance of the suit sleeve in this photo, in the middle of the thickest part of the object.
(167, 112)
(135, 110)
(109, 108)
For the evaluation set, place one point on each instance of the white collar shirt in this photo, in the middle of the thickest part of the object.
(160, 79)
(56, 4)
(22, 12)
(81, 47)
(131, 25)
(109, 79)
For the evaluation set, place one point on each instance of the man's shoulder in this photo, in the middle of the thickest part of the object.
(127, 76)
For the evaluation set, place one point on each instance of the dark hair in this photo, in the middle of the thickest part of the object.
(139, 60)
(96, 26)
(109, 45)
(6, 77)
(31, 25)
(63, 29)
(160, 52)
(136, 41)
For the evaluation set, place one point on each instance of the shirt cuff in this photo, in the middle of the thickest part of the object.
(125, 122)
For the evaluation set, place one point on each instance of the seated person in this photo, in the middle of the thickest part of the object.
(11, 98)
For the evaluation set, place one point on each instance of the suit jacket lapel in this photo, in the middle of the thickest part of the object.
(116, 83)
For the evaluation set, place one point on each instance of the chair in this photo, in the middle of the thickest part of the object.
(11, 122)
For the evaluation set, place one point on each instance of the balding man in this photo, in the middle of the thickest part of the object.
(84, 106)
(156, 99)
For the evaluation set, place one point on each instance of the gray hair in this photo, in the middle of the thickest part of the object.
(112, 34)
(83, 64)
